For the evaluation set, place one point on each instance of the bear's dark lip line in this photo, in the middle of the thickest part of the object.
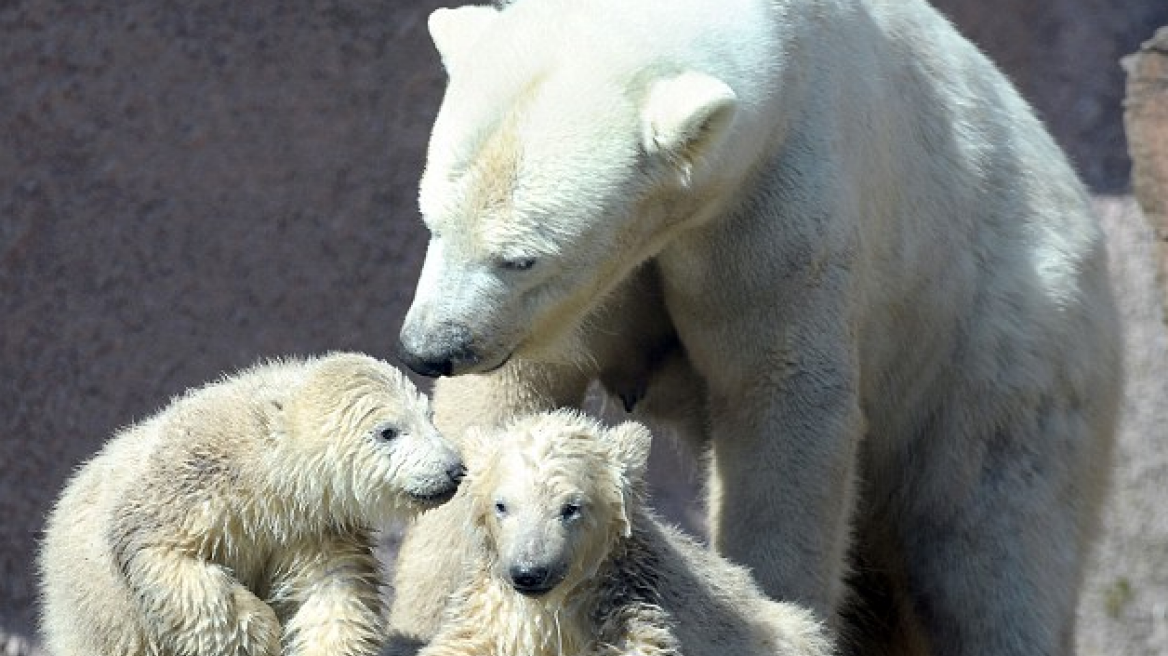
(435, 498)
(474, 369)
(552, 583)
(533, 592)
(505, 360)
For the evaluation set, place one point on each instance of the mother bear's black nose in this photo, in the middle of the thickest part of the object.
(431, 368)
(530, 579)
(436, 352)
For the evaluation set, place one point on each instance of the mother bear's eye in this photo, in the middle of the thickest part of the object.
(570, 511)
(517, 264)
(500, 508)
(385, 432)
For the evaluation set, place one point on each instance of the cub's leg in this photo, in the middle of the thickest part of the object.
(194, 607)
(326, 592)
(638, 629)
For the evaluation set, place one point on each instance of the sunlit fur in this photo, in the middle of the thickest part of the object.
(882, 271)
(237, 521)
(633, 585)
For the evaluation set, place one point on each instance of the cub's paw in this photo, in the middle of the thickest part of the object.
(258, 630)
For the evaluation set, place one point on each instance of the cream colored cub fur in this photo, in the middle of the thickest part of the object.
(569, 560)
(237, 520)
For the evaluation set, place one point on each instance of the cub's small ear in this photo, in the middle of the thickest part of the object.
(630, 444)
(684, 117)
(453, 30)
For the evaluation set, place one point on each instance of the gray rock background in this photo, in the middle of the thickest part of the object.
(188, 187)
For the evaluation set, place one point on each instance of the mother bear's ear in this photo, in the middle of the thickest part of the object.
(684, 117)
(455, 30)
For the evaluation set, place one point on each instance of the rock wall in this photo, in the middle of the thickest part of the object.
(187, 187)
(1124, 603)
(1146, 122)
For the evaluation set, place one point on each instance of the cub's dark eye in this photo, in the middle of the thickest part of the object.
(385, 433)
(500, 508)
(517, 264)
(570, 511)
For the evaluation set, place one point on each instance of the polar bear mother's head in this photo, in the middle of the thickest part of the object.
(567, 151)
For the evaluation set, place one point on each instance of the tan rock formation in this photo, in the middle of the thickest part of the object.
(1146, 121)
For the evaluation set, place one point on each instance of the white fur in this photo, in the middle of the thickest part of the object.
(881, 272)
(630, 584)
(238, 519)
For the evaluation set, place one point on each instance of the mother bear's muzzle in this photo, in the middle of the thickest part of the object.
(446, 350)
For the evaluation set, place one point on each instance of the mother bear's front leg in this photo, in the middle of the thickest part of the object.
(780, 366)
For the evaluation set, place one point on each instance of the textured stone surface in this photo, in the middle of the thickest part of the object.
(1146, 121)
(1124, 608)
(188, 187)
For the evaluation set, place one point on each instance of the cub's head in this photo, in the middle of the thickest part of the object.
(562, 158)
(552, 494)
(359, 441)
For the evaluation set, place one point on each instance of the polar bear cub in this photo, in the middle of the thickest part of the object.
(237, 521)
(571, 561)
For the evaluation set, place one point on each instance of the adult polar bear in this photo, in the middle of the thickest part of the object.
(881, 268)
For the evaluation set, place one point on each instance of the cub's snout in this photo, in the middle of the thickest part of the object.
(534, 580)
(441, 489)
(434, 480)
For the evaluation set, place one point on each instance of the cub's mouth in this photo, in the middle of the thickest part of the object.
(436, 492)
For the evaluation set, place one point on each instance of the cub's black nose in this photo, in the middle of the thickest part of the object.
(530, 579)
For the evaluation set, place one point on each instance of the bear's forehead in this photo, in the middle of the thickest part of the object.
(491, 184)
(551, 116)
(553, 462)
(510, 170)
(570, 35)
(546, 484)
(371, 394)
